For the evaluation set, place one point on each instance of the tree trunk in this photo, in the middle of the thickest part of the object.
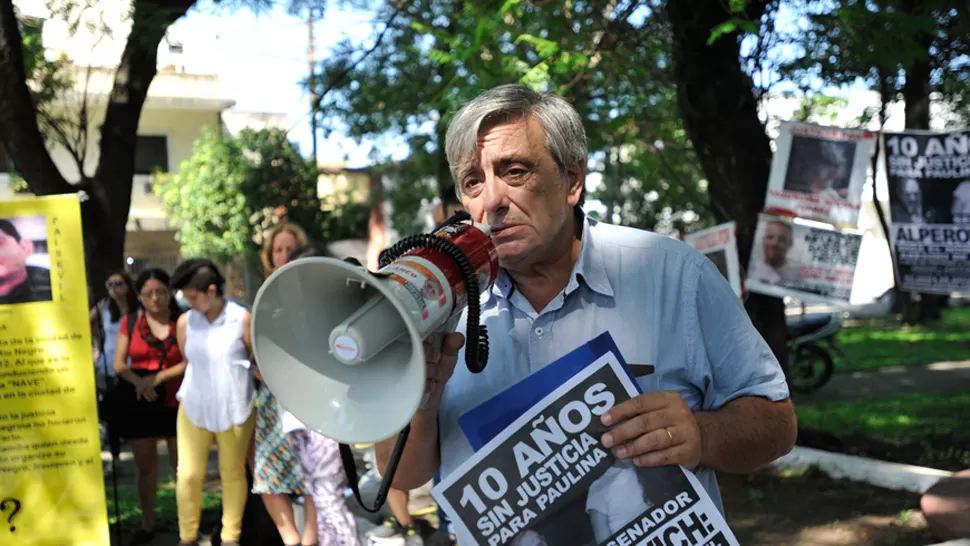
(916, 95)
(104, 213)
(720, 112)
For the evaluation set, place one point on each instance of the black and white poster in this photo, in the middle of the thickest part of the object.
(720, 245)
(807, 261)
(818, 172)
(547, 480)
(928, 176)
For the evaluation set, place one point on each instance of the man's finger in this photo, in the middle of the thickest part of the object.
(657, 440)
(664, 457)
(635, 427)
(644, 403)
(452, 343)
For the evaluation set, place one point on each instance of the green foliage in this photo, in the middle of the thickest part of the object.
(897, 420)
(818, 108)
(877, 41)
(46, 80)
(884, 343)
(166, 509)
(612, 61)
(232, 189)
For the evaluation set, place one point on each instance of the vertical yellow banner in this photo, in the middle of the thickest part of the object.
(51, 480)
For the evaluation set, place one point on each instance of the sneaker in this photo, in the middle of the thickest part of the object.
(412, 537)
(389, 529)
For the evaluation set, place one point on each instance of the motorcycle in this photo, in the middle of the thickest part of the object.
(811, 342)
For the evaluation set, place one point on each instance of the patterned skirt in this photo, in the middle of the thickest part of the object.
(277, 470)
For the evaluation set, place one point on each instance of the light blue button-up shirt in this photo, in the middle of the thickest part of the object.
(663, 303)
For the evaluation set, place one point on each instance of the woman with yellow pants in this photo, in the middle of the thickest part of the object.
(216, 398)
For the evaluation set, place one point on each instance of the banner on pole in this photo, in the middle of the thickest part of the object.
(928, 176)
(818, 172)
(720, 245)
(51, 478)
(806, 262)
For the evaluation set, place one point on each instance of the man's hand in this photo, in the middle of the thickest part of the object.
(440, 365)
(655, 429)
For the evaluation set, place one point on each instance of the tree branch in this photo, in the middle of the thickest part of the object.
(137, 69)
(19, 131)
(62, 138)
(338, 79)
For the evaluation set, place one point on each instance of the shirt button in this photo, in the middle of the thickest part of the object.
(539, 331)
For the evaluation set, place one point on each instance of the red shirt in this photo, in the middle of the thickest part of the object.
(149, 357)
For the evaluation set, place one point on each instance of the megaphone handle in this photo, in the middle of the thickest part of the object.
(350, 469)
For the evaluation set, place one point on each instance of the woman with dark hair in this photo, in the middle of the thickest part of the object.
(146, 403)
(106, 318)
(216, 398)
(106, 321)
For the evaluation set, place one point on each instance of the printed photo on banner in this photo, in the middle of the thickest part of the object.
(546, 479)
(804, 261)
(25, 266)
(50, 448)
(720, 245)
(928, 177)
(818, 172)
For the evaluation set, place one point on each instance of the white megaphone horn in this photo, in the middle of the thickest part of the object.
(341, 348)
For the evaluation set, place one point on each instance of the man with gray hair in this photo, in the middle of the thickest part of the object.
(718, 399)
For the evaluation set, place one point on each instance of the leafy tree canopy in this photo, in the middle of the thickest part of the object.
(611, 60)
(233, 188)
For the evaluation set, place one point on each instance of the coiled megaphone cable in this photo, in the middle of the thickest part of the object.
(476, 336)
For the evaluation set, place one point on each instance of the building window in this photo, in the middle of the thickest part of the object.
(151, 154)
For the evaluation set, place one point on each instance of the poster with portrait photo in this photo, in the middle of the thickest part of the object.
(545, 479)
(928, 177)
(818, 172)
(720, 245)
(806, 261)
(25, 275)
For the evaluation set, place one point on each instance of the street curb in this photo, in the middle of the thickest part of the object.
(896, 476)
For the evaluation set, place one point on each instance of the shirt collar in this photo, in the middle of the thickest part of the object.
(589, 268)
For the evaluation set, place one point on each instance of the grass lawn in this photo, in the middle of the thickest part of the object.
(898, 420)
(884, 342)
(165, 508)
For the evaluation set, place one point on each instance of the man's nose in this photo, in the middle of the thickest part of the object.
(495, 197)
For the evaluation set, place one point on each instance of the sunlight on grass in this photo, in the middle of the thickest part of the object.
(882, 343)
(897, 420)
(165, 506)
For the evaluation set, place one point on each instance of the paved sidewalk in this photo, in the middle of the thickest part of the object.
(936, 378)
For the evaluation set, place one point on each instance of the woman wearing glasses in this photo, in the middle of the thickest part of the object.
(147, 405)
(106, 319)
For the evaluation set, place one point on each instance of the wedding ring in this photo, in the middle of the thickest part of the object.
(669, 434)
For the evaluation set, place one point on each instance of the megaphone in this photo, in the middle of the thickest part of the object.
(341, 347)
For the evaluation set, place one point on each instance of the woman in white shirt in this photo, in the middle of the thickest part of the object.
(216, 398)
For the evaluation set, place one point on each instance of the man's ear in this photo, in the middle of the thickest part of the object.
(28, 246)
(576, 179)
